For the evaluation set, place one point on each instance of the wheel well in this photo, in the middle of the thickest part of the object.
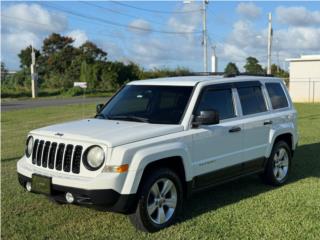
(287, 137)
(173, 163)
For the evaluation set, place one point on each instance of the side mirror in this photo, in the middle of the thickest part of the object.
(99, 108)
(206, 118)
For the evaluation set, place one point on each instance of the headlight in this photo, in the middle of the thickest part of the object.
(93, 158)
(29, 146)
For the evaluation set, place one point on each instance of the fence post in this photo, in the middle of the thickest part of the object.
(309, 91)
(314, 90)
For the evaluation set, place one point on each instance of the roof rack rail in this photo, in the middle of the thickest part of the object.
(249, 74)
(206, 73)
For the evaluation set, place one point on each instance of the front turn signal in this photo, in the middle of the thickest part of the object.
(117, 169)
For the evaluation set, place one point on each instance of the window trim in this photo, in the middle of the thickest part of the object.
(221, 86)
(285, 94)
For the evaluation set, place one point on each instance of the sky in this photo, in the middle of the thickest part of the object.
(156, 34)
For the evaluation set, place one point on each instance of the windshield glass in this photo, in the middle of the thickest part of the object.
(152, 104)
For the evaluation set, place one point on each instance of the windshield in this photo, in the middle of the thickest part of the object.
(152, 104)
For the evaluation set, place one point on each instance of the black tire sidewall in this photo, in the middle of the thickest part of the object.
(269, 169)
(142, 206)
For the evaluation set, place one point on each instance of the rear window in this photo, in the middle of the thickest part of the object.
(277, 96)
(252, 100)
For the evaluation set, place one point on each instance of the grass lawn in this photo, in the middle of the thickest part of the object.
(244, 209)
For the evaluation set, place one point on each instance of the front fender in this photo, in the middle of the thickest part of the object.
(148, 155)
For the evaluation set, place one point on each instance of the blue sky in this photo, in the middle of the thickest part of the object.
(237, 29)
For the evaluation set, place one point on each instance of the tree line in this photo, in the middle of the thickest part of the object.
(59, 63)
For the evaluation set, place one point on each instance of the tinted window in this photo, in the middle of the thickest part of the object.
(277, 95)
(153, 104)
(252, 100)
(219, 100)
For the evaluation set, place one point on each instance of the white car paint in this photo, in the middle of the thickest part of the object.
(203, 150)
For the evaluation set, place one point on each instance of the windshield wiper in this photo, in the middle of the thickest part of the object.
(129, 118)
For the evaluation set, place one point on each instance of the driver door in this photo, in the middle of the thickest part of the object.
(218, 149)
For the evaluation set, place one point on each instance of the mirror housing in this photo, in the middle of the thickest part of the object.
(99, 108)
(208, 117)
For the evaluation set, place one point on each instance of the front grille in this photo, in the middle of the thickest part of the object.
(57, 156)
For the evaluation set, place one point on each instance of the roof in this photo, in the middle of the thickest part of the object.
(304, 58)
(193, 80)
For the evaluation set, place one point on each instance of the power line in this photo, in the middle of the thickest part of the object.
(154, 11)
(118, 12)
(118, 24)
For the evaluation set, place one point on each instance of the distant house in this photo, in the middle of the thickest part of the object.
(304, 82)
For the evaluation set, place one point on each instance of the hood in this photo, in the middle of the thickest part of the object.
(111, 132)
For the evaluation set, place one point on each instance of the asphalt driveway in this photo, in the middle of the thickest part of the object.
(23, 104)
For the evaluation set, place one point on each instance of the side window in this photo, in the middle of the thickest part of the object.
(219, 100)
(252, 100)
(277, 96)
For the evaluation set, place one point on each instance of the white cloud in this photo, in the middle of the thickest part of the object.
(25, 24)
(297, 16)
(244, 41)
(249, 10)
(78, 36)
(139, 26)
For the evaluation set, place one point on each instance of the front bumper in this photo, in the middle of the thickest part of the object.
(102, 199)
(102, 191)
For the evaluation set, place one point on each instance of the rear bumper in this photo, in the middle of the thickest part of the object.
(103, 199)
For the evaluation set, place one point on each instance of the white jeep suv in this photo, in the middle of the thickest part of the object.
(157, 141)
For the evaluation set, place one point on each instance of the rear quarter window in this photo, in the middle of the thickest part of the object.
(277, 96)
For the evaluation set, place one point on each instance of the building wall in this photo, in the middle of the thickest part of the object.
(304, 84)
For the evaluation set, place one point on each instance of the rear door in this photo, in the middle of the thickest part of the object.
(256, 123)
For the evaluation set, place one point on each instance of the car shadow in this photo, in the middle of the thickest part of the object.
(306, 163)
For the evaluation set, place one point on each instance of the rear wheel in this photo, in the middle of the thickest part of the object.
(278, 165)
(160, 201)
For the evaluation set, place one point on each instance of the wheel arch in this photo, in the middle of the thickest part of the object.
(174, 156)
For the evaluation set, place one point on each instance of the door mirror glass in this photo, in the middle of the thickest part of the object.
(99, 108)
(209, 117)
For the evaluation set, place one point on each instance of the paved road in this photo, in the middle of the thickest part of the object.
(22, 104)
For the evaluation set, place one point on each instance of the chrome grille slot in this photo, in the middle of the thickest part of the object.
(67, 158)
(39, 152)
(34, 151)
(45, 154)
(58, 156)
(52, 155)
(76, 159)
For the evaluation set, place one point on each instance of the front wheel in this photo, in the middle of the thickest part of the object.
(278, 166)
(160, 201)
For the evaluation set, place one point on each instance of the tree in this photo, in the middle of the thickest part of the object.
(231, 69)
(91, 53)
(278, 71)
(25, 56)
(252, 66)
(4, 72)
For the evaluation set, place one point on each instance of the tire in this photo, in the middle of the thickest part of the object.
(278, 165)
(163, 209)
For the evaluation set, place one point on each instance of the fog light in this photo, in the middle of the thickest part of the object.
(28, 186)
(69, 197)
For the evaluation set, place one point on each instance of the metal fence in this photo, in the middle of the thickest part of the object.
(304, 89)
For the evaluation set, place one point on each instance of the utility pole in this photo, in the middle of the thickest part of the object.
(34, 77)
(204, 30)
(270, 33)
(214, 60)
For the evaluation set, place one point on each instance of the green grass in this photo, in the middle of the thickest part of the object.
(244, 209)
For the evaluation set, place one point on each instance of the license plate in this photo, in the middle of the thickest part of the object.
(41, 184)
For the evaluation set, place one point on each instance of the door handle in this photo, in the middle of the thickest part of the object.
(269, 122)
(235, 129)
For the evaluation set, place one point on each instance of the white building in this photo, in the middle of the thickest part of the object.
(304, 82)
